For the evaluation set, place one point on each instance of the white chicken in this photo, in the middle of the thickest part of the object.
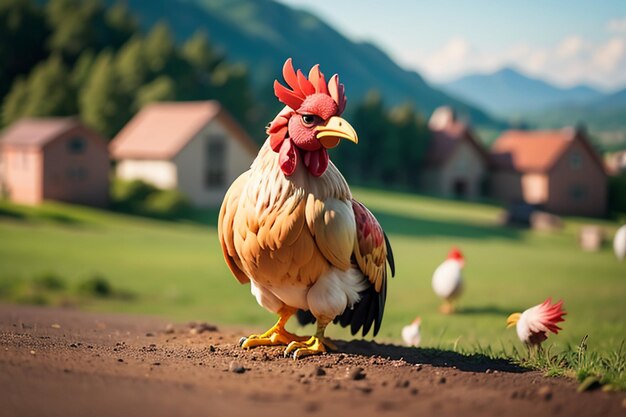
(448, 280)
(619, 243)
(411, 333)
(534, 323)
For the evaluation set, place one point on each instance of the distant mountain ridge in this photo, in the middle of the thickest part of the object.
(263, 33)
(507, 92)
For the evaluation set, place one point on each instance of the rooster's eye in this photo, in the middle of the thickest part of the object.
(309, 119)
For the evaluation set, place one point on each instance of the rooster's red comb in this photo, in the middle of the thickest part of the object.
(301, 87)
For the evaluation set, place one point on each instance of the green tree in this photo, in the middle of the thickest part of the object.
(199, 52)
(159, 47)
(23, 31)
(121, 24)
(371, 122)
(75, 25)
(132, 66)
(411, 137)
(103, 104)
(161, 89)
(47, 91)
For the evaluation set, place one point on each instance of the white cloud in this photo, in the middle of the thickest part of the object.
(617, 25)
(572, 60)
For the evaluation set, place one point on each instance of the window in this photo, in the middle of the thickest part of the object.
(575, 160)
(577, 192)
(76, 145)
(216, 164)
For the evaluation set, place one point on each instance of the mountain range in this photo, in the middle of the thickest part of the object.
(507, 92)
(262, 34)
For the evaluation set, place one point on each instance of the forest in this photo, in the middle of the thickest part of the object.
(86, 59)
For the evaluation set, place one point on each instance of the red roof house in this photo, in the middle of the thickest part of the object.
(54, 159)
(556, 169)
(195, 147)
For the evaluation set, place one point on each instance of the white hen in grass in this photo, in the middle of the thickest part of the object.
(448, 280)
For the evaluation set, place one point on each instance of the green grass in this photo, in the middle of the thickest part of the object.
(176, 270)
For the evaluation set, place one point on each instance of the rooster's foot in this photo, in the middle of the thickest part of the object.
(313, 346)
(276, 336)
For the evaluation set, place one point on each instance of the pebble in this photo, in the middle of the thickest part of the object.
(314, 370)
(32, 352)
(198, 328)
(211, 348)
(120, 360)
(442, 380)
(403, 384)
(545, 393)
(355, 373)
(236, 368)
(73, 345)
(56, 326)
(149, 334)
(169, 329)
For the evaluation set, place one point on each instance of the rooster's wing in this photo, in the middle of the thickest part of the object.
(225, 227)
(370, 251)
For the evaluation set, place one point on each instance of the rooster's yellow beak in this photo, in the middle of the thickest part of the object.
(335, 129)
(513, 319)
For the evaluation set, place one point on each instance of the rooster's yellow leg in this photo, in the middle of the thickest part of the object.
(447, 307)
(313, 346)
(276, 335)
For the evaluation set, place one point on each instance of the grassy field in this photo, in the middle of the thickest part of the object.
(176, 270)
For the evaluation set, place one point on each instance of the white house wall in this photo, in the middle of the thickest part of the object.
(162, 174)
(192, 160)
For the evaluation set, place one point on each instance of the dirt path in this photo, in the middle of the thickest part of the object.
(56, 362)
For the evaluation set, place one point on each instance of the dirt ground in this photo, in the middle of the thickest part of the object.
(56, 362)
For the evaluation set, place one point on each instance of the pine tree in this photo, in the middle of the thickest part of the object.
(159, 47)
(103, 105)
(23, 31)
(132, 66)
(47, 91)
(161, 89)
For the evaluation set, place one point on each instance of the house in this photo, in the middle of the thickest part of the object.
(195, 147)
(455, 164)
(557, 170)
(54, 159)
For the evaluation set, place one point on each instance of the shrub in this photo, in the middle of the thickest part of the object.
(166, 203)
(96, 286)
(129, 196)
(617, 194)
(139, 197)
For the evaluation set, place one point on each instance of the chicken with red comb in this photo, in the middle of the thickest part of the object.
(448, 280)
(290, 227)
(534, 323)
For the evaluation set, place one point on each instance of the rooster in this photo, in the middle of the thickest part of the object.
(534, 324)
(290, 227)
(448, 280)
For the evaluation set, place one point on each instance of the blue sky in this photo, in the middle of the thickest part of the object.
(565, 42)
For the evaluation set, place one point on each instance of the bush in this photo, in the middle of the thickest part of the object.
(617, 194)
(129, 196)
(96, 286)
(49, 282)
(139, 197)
(166, 203)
